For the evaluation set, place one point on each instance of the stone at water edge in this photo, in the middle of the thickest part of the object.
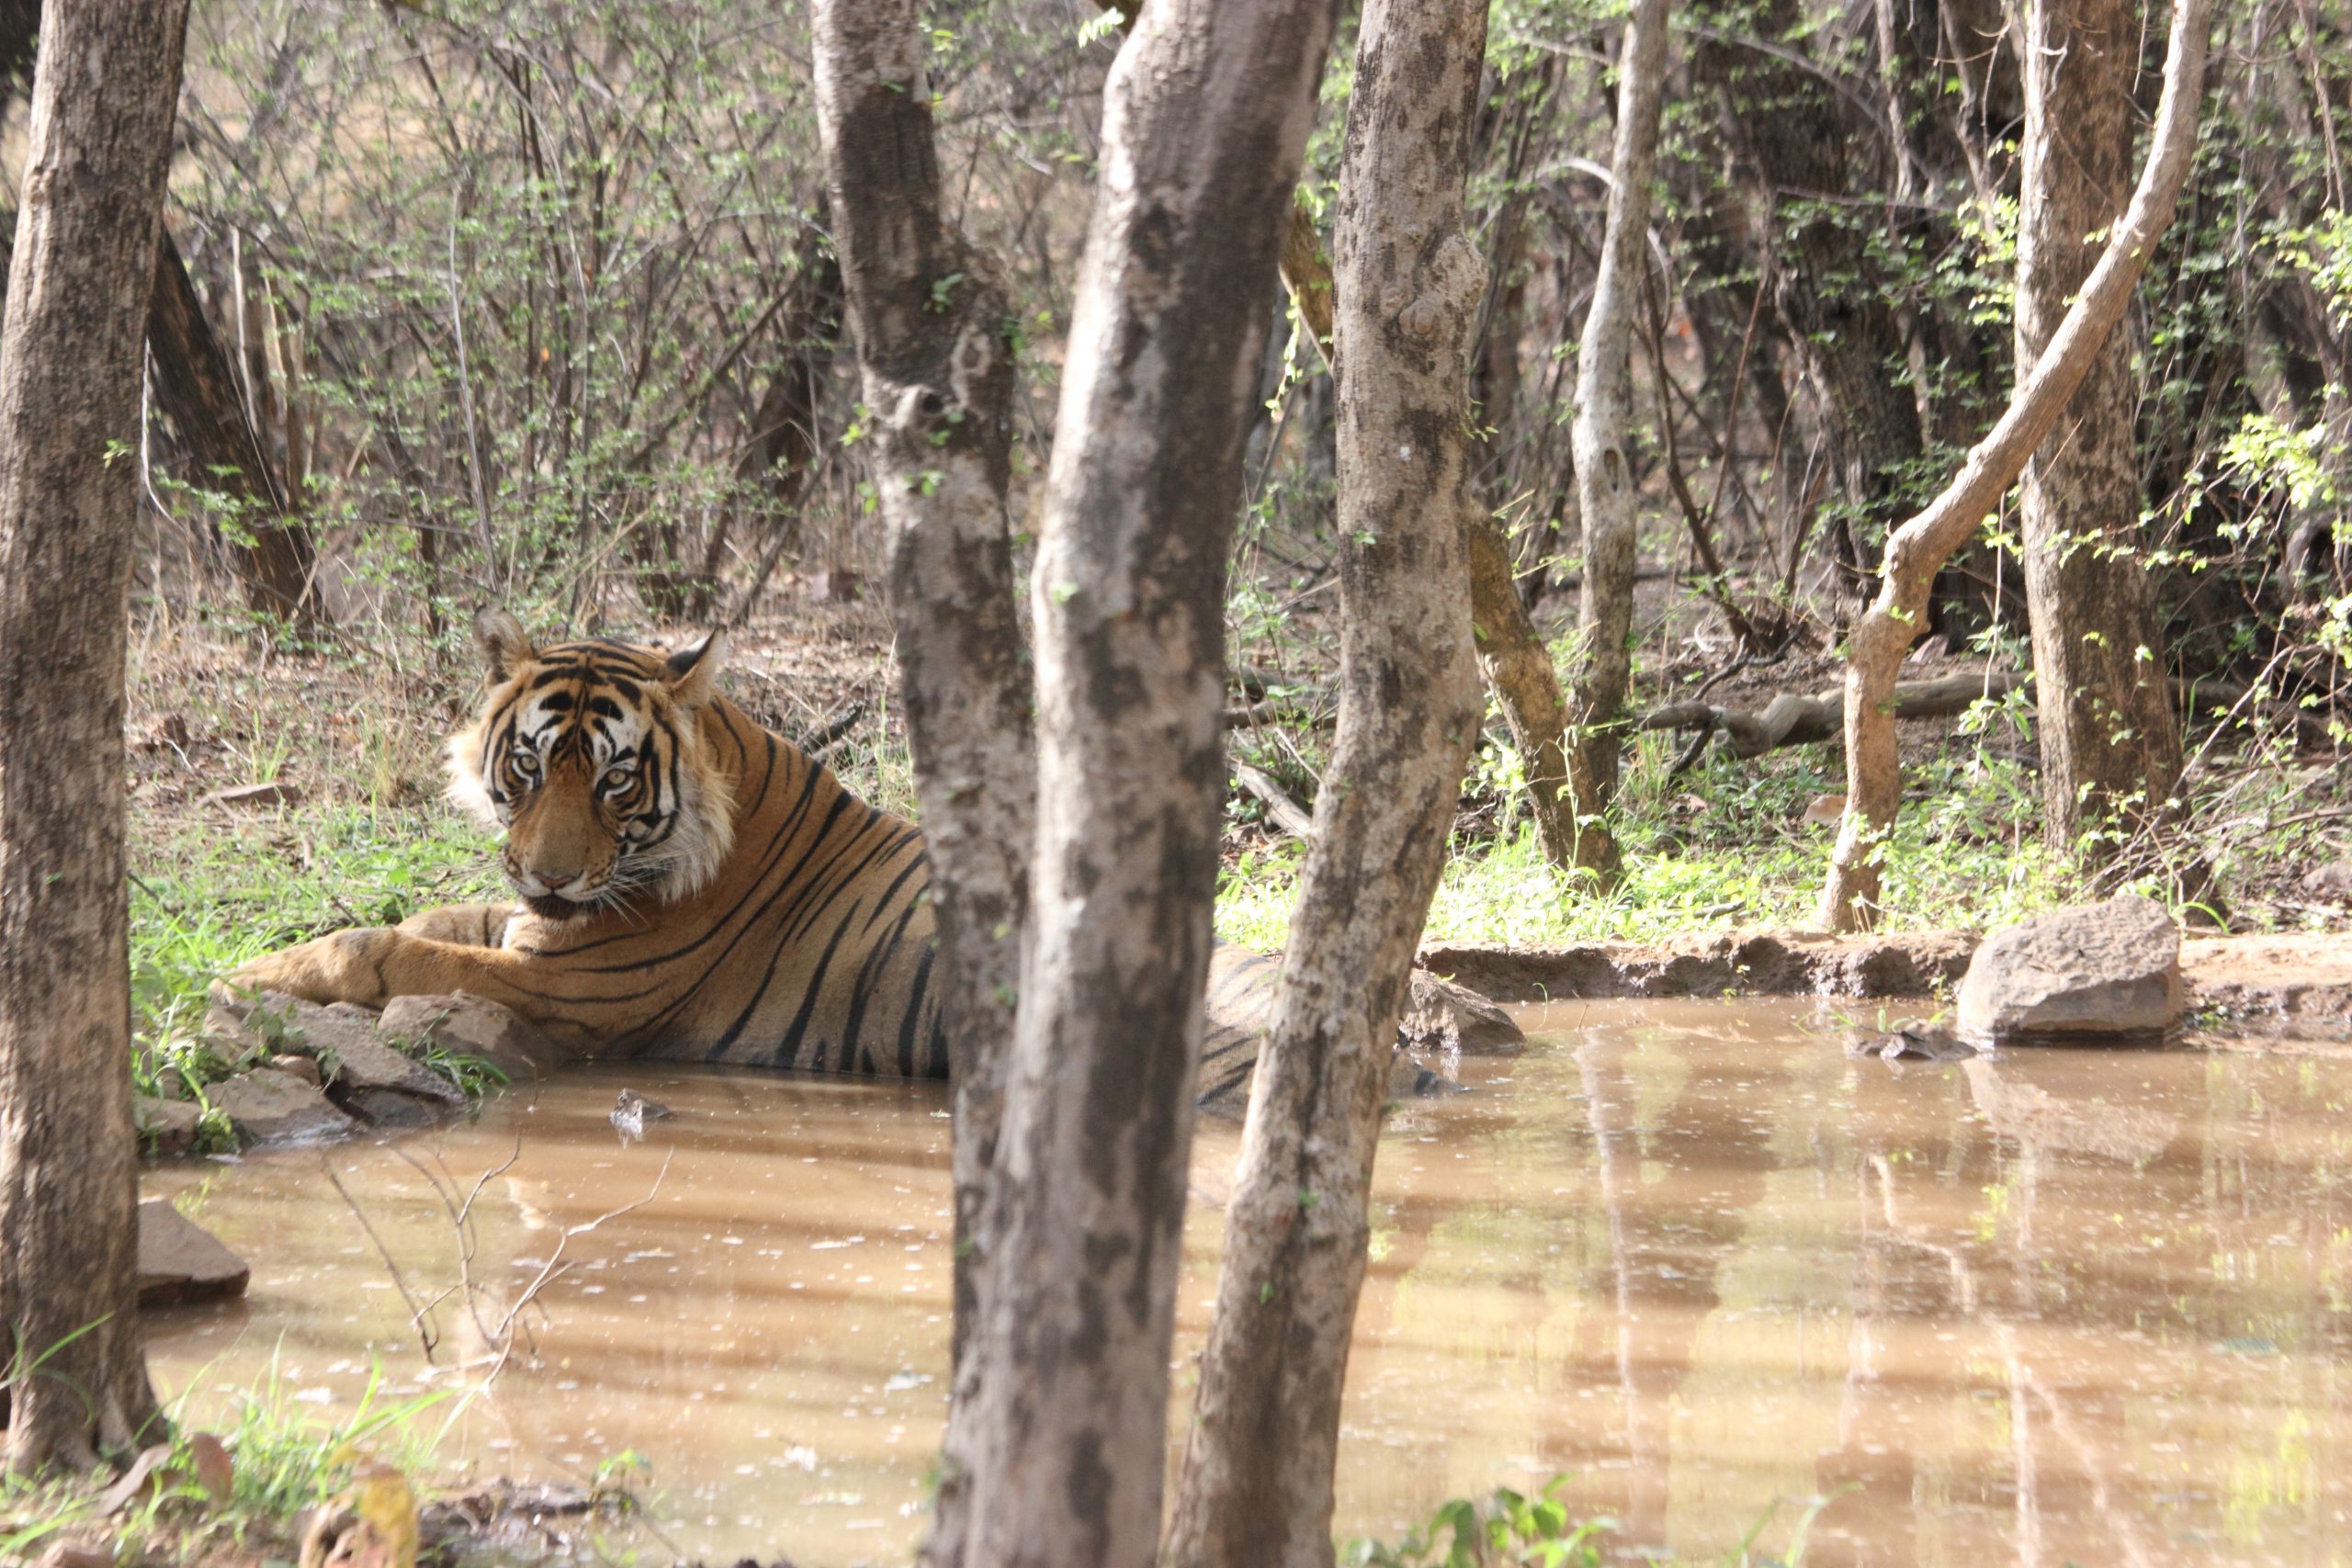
(273, 1108)
(169, 1124)
(2103, 975)
(469, 1025)
(363, 1074)
(1443, 1016)
(179, 1262)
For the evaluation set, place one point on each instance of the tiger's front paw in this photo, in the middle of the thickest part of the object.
(347, 966)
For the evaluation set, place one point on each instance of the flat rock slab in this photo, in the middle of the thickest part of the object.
(1735, 964)
(2102, 975)
(276, 1108)
(2273, 984)
(180, 1262)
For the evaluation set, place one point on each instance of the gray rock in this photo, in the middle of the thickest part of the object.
(167, 1126)
(361, 1073)
(2333, 881)
(1408, 1079)
(469, 1025)
(179, 1262)
(1443, 1016)
(2105, 974)
(273, 1108)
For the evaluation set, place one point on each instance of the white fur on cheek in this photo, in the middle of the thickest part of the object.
(468, 791)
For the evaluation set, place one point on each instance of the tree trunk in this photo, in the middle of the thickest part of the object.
(1206, 116)
(194, 390)
(939, 375)
(1256, 1486)
(1832, 295)
(1517, 669)
(1604, 655)
(2108, 744)
(1511, 657)
(1875, 649)
(278, 564)
(105, 93)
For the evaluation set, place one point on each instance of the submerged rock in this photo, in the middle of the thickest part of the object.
(632, 1111)
(180, 1262)
(1911, 1040)
(1443, 1016)
(2105, 974)
(266, 1107)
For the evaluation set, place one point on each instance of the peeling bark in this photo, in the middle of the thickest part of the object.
(1603, 663)
(105, 94)
(930, 319)
(1874, 652)
(1206, 113)
(1256, 1486)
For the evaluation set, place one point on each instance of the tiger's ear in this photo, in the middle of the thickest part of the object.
(694, 670)
(505, 646)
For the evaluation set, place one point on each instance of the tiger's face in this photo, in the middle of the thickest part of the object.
(590, 756)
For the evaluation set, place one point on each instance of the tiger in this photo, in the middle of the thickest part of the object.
(690, 886)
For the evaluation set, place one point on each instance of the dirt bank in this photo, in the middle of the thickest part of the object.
(2239, 987)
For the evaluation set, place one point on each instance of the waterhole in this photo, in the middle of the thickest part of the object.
(2054, 1307)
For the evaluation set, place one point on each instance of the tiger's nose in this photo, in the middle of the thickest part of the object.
(557, 879)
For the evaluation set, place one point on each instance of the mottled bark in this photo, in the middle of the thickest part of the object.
(1517, 669)
(1256, 1486)
(1875, 647)
(2109, 747)
(929, 320)
(1511, 655)
(1205, 115)
(1603, 662)
(105, 91)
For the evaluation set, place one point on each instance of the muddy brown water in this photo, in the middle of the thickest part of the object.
(2057, 1307)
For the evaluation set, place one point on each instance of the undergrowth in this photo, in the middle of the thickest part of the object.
(284, 1458)
(1727, 844)
(1509, 1529)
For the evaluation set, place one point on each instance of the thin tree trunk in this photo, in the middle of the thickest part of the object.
(106, 92)
(1256, 1486)
(2109, 747)
(939, 375)
(1206, 116)
(1603, 664)
(1517, 670)
(1873, 782)
(1511, 657)
(193, 389)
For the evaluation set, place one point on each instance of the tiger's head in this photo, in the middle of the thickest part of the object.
(589, 755)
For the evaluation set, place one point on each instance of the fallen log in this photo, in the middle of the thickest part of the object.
(1291, 816)
(1792, 718)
